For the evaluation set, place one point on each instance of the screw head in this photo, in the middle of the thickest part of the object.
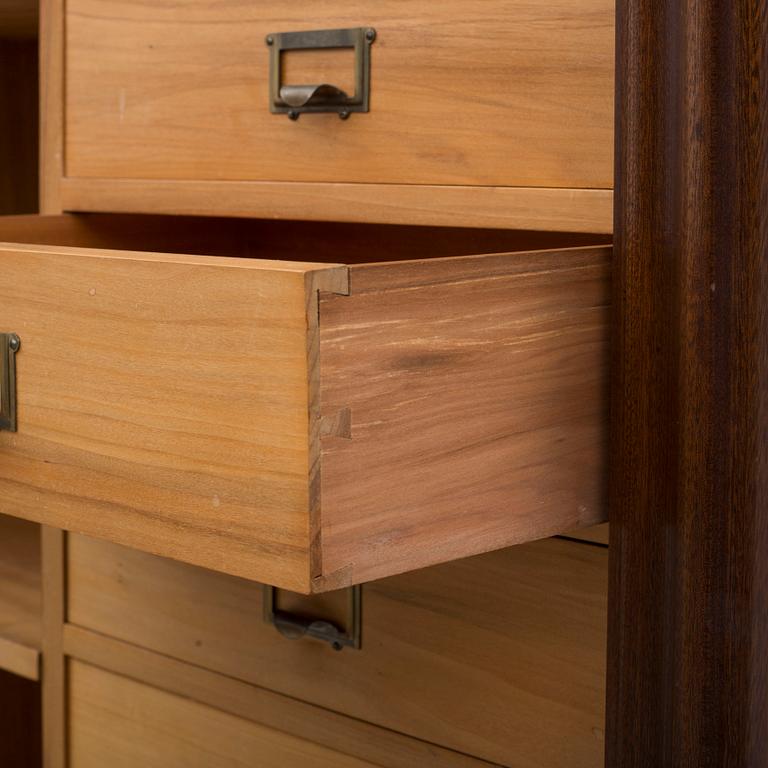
(14, 342)
(370, 35)
(344, 114)
(270, 40)
(293, 114)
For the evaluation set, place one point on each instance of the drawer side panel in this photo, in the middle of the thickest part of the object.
(474, 396)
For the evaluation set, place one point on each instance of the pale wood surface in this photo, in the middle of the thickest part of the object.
(481, 93)
(475, 392)
(564, 210)
(20, 611)
(18, 123)
(18, 18)
(500, 656)
(123, 723)
(19, 659)
(54, 675)
(163, 403)
(322, 726)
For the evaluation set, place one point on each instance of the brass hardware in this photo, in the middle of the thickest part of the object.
(293, 100)
(294, 627)
(9, 346)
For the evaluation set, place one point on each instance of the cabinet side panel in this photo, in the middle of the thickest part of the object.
(472, 397)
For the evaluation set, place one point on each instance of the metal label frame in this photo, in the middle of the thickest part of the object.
(9, 346)
(294, 627)
(321, 97)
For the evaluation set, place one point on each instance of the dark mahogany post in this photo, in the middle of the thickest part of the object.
(688, 630)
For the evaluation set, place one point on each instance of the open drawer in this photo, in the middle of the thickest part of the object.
(307, 405)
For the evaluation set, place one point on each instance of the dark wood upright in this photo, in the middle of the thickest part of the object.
(688, 634)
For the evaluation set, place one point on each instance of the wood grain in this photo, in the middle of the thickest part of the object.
(54, 703)
(520, 633)
(18, 124)
(20, 612)
(563, 210)
(120, 722)
(688, 680)
(482, 421)
(19, 659)
(163, 403)
(170, 91)
(157, 441)
(321, 726)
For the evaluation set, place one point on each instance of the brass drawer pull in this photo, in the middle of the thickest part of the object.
(293, 100)
(9, 346)
(294, 627)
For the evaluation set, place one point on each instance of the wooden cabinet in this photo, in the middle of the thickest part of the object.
(491, 113)
(501, 656)
(312, 413)
(312, 353)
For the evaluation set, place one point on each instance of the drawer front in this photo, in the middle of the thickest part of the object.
(500, 656)
(163, 402)
(123, 723)
(497, 94)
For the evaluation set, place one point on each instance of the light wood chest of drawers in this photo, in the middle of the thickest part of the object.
(315, 353)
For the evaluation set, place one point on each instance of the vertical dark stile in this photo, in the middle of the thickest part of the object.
(688, 630)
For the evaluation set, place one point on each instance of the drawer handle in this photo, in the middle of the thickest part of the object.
(294, 627)
(9, 346)
(294, 100)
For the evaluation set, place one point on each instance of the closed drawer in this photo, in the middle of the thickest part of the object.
(123, 723)
(315, 421)
(472, 106)
(500, 656)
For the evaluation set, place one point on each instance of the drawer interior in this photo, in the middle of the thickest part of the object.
(321, 242)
